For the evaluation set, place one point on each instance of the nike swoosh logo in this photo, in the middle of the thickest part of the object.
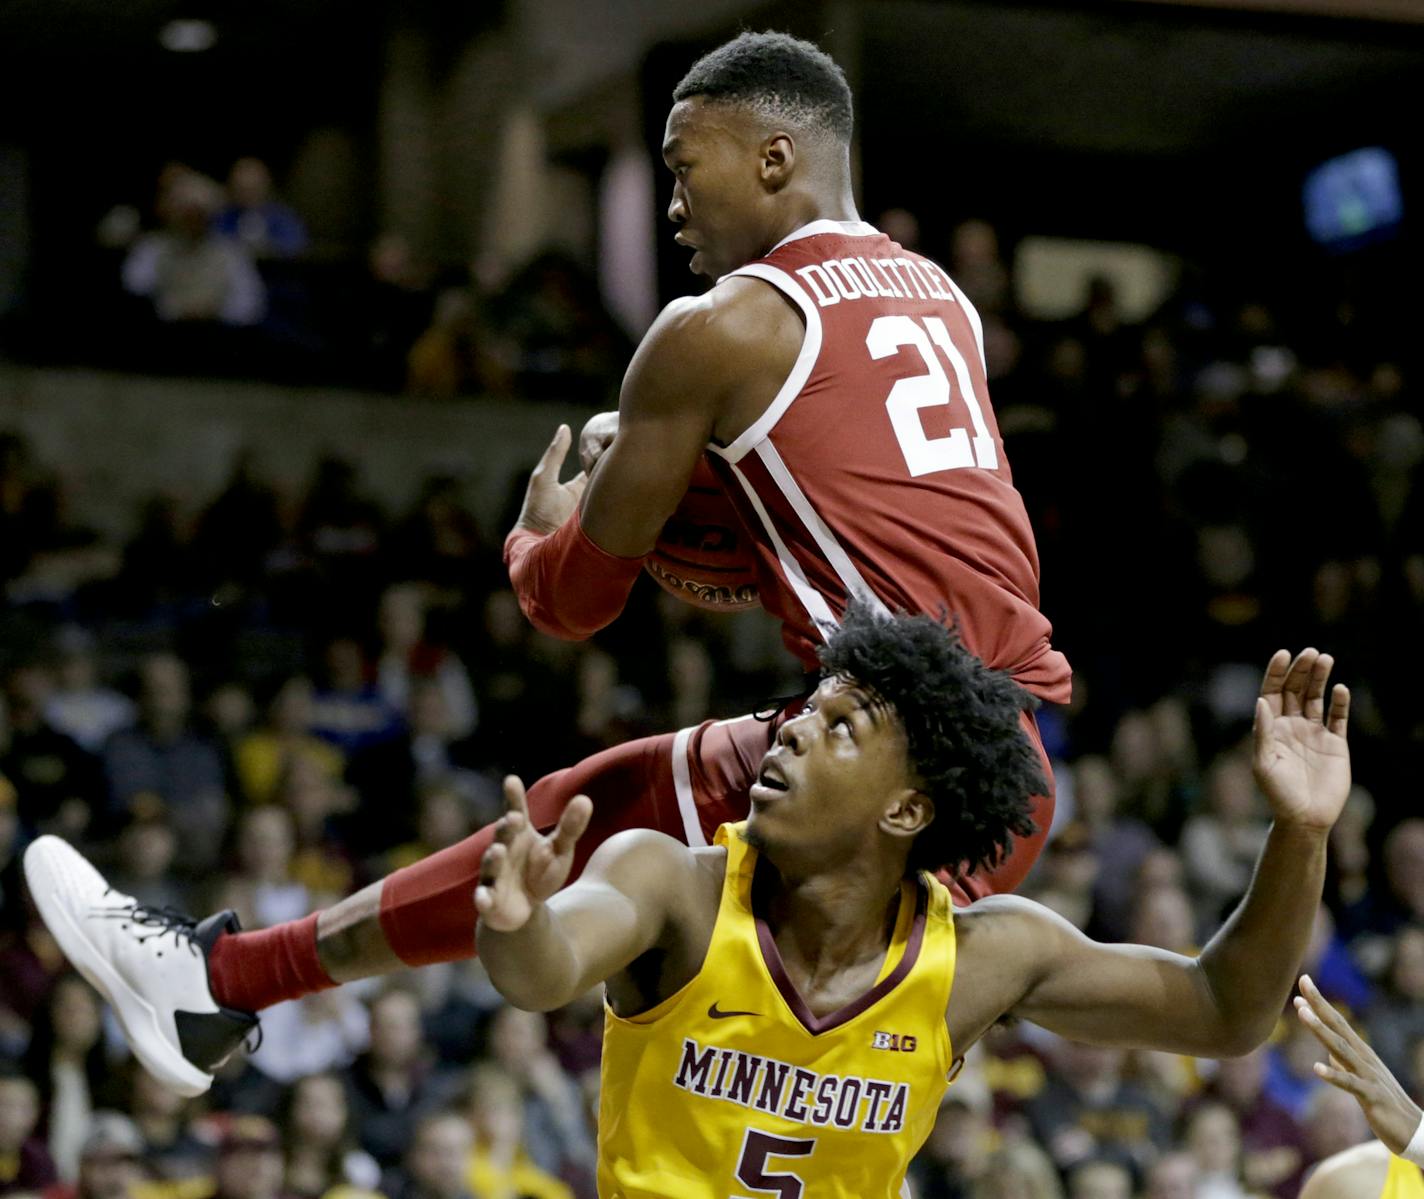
(717, 1013)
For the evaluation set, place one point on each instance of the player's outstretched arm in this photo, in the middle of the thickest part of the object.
(1357, 1069)
(544, 947)
(1226, 1001)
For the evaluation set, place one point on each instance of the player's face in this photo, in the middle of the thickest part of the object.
(719, 202)
(838, 772)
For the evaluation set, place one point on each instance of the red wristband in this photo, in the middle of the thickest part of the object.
(567, 586)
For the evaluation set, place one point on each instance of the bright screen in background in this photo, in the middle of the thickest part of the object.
(1354, 199)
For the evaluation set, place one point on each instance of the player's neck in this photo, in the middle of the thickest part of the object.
(820, 204)
(834, 918)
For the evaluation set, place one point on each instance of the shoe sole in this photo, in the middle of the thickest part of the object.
(50, 863)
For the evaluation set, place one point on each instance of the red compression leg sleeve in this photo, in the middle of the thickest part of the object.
(252, 971)
(428, 909)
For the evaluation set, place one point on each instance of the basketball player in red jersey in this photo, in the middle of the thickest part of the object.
(838, 382)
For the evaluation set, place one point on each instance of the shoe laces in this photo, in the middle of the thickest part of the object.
(161, 921)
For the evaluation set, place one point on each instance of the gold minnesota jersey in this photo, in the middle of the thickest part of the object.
(1404, 1181)
(732, 1087)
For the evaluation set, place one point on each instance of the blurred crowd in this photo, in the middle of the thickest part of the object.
(277, 698)
(211, 278)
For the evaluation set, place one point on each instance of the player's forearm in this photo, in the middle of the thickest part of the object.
(567, 586)
(1251, 964)
(535, 967)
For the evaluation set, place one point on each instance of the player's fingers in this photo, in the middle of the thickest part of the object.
(1315, 687)
(1276, 670)
(492, 864)
(571, 824)
(1261, 729)
(1355, 1085)
(552, 459)
(514, 799)
(1339, 1048)
(1338, 722)
(577, 484)
(1297, 678)
(484, 899)
(1331, 1017)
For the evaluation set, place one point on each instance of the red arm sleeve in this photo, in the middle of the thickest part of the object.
(567, 586)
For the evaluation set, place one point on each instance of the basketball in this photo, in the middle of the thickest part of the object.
(704, 555)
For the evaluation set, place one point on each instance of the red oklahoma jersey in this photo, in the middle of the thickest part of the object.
(878, 470)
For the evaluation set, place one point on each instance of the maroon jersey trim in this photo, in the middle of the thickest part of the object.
(771, 955)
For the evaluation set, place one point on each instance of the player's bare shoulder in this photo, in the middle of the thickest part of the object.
(1000, 942)
(1355, 1172)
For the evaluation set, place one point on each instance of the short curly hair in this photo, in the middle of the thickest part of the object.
(963, 725)
(778, 76)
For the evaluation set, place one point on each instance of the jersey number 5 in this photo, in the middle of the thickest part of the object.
(751, 1168)
(924, 455)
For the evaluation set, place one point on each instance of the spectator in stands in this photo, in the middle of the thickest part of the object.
(1333, 1122)
(1404, 870)
(262, 757)
(147, 850)
(1020, 1170)
(1119, 844)
(66, 1061)
(1220, 846)
(437, 1161)
(439, 542)
(557, 1135)
(262, 890)
(393, 1085)
(238, 532)
(1162, 917)
(249, 1160)
(408, 654)
(110, 1161)
(81, 706)
(1087, 1109)
(500, 1163)
(1172, 1176)
(321, 1140)
(57, 782)
(444, 819)
(1396, 1021)
(1274, 1149)
(163, 765)
(1101, 1178)
(1213, 1138)
(188, 271)
(340, 530)
(25, 1163)
(394, 306)
(254, 217)
(318, 805)
(1348, 864)
(348, 708)
(172, 1149)
(389, 776)
(956, 1155)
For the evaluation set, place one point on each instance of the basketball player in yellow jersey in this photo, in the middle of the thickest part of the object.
(785, 1007)
(1389, 1166)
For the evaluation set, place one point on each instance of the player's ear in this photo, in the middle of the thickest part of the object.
(778, 160)
(908, 814)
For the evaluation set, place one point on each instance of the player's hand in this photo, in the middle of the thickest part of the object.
(1301, 759)
(547, 502)
(1356, 1068)
(523, 867)
(598, 434)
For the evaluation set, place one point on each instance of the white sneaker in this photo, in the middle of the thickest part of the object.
(151, 965)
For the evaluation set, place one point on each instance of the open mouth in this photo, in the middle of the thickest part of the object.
(770, 777)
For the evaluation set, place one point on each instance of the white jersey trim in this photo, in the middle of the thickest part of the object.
(850, 577)
(972, 313)
(812, 600)
(682, 785)
(800, 371)
(817, 228)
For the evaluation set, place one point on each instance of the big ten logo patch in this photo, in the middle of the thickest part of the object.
(894, 1042)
